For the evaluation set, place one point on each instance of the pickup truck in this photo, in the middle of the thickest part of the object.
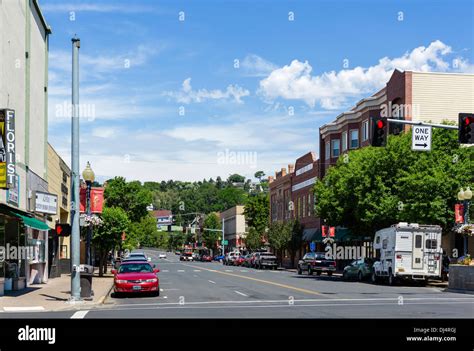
(316, 262)
(263, 260)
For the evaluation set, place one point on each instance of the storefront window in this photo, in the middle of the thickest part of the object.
(2, 243)
(36, 239)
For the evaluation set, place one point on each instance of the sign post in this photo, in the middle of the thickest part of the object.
(421, 138)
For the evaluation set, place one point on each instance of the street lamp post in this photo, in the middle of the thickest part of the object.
(465, 197)
(89, 177)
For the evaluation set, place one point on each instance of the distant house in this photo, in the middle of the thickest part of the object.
(164, 218)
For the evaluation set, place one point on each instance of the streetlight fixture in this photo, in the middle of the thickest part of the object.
(89, 177)
(465, 197)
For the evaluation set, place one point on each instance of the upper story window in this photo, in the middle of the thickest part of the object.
(354, 138)
(335, 147)
(365, 130)
(344, 141)
(327, 151)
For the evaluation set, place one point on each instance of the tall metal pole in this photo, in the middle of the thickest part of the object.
(75, 235)
(223, 238)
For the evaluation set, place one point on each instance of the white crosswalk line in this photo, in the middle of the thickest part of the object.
(240, 293)
(181, 270)
(79, 314)
(212, 282)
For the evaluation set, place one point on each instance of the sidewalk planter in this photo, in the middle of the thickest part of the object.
(461, 278)
(19, 283)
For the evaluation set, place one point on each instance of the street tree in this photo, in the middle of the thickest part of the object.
(210, 237)
(372, 188)
(296, 239)
(109, 234)
(256, 212)
(132, 197)
(253, 240)
(279, 236)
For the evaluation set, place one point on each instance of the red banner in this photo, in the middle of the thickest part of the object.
(97, 200)
(459, 213)
(324, 231)
(332, 232)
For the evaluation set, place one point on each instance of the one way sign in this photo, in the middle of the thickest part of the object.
(421, 138)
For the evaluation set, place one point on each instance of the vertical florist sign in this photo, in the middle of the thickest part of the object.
(7, 149)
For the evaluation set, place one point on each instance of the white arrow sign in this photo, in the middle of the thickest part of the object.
(421, 138)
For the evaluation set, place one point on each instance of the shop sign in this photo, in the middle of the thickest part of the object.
(46, 203)
(13, 194)
(7, 149)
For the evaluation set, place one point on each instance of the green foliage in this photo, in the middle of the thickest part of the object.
(259, 175)
(132, 197)
(279, 235)
(257, 212)
(376, 187)
(253, 241)
(212, 221)
(109, 234)
(176, 240)
(144, 233)
(236, 178)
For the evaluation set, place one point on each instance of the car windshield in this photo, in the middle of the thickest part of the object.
(135, 268)
(320, 256)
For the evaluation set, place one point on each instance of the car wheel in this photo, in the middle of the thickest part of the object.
(344, 275)
(360, 277)
(329, 274)
(318, 272)
(299, 270)
(310, 271)
(373, 278)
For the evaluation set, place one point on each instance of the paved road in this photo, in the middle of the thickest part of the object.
(211, 290)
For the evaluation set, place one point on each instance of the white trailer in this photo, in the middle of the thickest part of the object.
(407, 251)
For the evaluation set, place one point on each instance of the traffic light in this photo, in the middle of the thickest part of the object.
(63, 229)
(466, 128)
(379, 131)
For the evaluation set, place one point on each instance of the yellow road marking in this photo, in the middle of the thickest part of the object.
(261, 281)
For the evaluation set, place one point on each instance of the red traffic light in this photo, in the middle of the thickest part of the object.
(63, 229)
(380, 124)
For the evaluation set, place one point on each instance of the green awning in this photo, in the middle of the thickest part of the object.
(32, 222)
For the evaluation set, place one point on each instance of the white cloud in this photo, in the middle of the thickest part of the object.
(256, 66)
(332, 89)
(187, 95)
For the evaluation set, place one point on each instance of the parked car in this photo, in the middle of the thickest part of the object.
(186, 256)
(316, 262)
(229, 258)
(162, 255)
(358, 269)
(239, 261)
(248, 260)
(263, 260)
(139, 255)
(206, 258)
(177, 252)
(136, 277)
(218, 257)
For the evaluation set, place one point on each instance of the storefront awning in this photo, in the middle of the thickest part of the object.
(309, 234)
(32, 222)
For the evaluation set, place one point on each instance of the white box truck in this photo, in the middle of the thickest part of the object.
(407, 251)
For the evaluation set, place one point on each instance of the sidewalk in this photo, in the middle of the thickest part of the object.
(54, 295)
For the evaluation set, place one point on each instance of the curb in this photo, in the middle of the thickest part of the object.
(103, 298)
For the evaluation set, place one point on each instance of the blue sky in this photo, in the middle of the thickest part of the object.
(236, 86)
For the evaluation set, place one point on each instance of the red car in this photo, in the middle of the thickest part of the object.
(239, 261)
(206, 258)
(136, 277)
